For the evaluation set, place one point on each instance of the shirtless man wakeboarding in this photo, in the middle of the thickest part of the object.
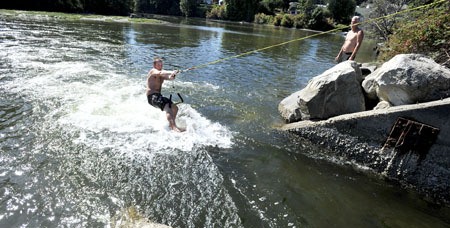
(155, 79)
(352, 42)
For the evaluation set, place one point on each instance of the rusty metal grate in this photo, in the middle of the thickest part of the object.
(411, 136)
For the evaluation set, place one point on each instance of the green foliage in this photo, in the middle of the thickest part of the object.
(427, 33)
(270, 5)
(262, 18)
(139, 6)
(217, 12)
(77, 17)
(306, 6)
(382, 8)
(277, 19)
(233, 9)
(168, 7)
(188, 7)
(260, 11)
(106, 7)
(287, 21)
(66, 6)
(313, 16)
(238, 10)
(318, 20)
(285, 4)
(202, 9)
(300, 21)
(342, 10)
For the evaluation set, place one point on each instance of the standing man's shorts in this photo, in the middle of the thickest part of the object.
(344, 56)
(158, 101)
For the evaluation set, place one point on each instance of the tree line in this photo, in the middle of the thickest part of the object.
(235, 10)
(105, 7)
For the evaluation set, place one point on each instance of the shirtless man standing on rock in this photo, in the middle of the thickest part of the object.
(352, 42)
(155, 79)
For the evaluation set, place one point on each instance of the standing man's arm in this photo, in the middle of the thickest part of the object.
(339, 54)
(359, 39)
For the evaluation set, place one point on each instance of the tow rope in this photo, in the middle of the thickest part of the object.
(303, 38)
(314, 35)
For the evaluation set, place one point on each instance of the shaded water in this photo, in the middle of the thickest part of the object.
(80, 145)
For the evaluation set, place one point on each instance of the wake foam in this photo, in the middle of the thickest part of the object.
(107, 109)
(118, 118)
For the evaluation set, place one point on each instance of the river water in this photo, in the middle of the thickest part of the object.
(80, 146)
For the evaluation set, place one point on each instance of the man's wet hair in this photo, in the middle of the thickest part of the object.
(157, 59)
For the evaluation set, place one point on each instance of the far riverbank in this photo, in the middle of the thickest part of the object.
(44, 15)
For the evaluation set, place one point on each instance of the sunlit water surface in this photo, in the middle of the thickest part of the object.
(81, 147)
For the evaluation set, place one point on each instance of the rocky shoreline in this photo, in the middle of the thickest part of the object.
(406, 141)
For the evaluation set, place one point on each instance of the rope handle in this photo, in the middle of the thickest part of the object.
(185, 70)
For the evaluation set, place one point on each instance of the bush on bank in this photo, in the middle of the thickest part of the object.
(316, 21)
(217, 12)
(426, 32)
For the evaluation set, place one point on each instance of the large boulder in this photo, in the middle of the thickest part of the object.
(408, 79)
(335, 92)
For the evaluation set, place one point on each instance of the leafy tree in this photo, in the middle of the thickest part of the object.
(238, 10)
(318, 20)
(217, 12)
(306, 6)
(63, 5)
(313, 16)
(140, 6)
(170, 7)
(188, 7)
(287, 21)
(109, 7)
(300, 21)
(342, 10)
(285, 4)
(277, 19)
(384, 27)
(47, 5)
(270, 5)
(121, 7)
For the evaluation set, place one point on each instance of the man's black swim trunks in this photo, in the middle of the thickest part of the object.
(344, 56)
(158, 101)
